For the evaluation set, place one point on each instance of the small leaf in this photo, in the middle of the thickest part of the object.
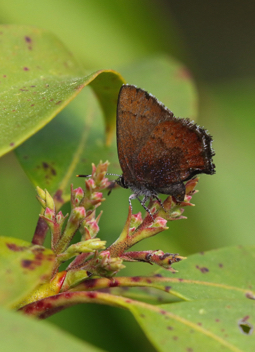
(23, 268)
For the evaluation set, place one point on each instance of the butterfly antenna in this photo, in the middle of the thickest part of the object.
(92, 175)
(83, 175)
(113, 175)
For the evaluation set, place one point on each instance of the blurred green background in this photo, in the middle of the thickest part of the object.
(215, 40)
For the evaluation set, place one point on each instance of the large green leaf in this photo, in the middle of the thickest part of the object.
(67, 146)
(23, 268)
(39, 77)
(221, 313)
(19, 333)
(207, 325)
(222, 273)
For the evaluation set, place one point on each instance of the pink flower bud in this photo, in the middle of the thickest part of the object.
(78, 194)
(159, 222)
(49, 213)
(97, 196)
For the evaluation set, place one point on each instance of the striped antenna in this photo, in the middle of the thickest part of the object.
(92, 175)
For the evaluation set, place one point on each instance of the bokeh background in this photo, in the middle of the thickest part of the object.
(215, 40)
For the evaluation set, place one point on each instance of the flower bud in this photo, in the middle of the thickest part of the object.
(77, 196)
(49, 201)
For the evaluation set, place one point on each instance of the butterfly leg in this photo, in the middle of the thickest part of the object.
(160, 201)
(134, 196)
(144, 206)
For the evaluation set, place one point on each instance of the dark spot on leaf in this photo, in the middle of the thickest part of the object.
(189, 349)
(175, 338)
(163, 312)
(26, 69)
(244, 326)
(28, 39)
(169, 328)
(28, 309)
(51, 311)
(167, 288)
(202, 269)
(49, 170)
(24, 90)
(113, 283)
(136, 278)
(68, 295)
(92, 294)
(128, 301)
(39, 305)
(217, 320)
(55, 297)
(157, 275)
(246, 318)
(220, 265)
(59, 102)
(149, 281)
(12, 144)
(142, 315)
(32, 86)
(26, 263)
(90, 283)
(32, 105)
(199, 324)
(15, 248)
(202, 253)
(180, 279)
(4, 76)
(58, 196)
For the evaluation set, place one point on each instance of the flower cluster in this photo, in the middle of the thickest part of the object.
(92, 258)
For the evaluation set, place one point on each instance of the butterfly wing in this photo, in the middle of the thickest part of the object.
(175, 151)
(138, 113)
(156, 149)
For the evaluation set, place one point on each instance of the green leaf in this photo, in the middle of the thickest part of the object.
(23, 268)
(222, 273)
(67, 146)
(39, 78)
(205, 325)
(208, 325)
(19, 333)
